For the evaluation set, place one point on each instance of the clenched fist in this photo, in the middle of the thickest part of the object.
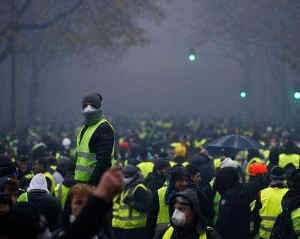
(111, 184)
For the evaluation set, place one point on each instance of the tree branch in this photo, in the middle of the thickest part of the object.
(24, 27)
(19, 15)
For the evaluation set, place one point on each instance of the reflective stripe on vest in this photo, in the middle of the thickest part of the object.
(86, 161)
(125, 217)
(285, 159)
(163, 214)
(271, 201)
(169, 232)
(53, 184)
(217, 200)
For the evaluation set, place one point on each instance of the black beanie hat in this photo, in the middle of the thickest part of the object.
(277, 173)
(94, 99)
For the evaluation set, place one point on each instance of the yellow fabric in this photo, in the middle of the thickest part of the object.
(163, 214)
(23, 197)
(271, 201)
(146, 168)
(61, 193)
(285, 159)
(295, 217)
(169, 232)
(217, 200)
(180, 151)
(173, 164)
(125, 217)
(217, 163)
(53, 184)
(86, 161)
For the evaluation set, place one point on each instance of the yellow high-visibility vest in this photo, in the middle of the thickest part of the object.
(271, 198)
(125, 217)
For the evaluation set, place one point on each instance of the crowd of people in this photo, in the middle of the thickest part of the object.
(165, 184)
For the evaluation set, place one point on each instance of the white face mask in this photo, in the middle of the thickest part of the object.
(89, 108)
(178, 218)
(128, 180)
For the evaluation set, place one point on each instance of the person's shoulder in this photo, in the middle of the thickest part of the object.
(105, 127)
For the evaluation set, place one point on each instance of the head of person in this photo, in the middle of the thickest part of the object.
(257, 169)
(277, 174)
(200, 169)
(161, 167)
(91, 108)
(226, 178)
(66, 143)
(290, 147)
(274, 142)
(11, 187)
(293, 180)
(79, 195)
(40, 165)
(22, 162)
(131, 174)
(179, 178)
(186, 212)
(253, 153)
(38, 182)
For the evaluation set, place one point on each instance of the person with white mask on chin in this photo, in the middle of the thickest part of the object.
(132, 207)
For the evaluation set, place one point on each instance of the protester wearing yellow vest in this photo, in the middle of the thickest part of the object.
(131, 207)
(95, 142)
(146, 168)
(269, 202)
(186, 220)
(290, 156)
(178, 182)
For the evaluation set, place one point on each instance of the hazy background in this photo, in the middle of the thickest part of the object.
(155, 78)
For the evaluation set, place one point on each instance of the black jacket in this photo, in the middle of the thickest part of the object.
(101, 144)
(89, 222)
(234, 210)
(47, 206)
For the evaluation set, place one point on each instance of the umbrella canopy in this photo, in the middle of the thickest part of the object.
(233, 141)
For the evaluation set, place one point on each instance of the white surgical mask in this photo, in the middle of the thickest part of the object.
(89, 108)
(178, 218)
(128, 180)
(72, 218)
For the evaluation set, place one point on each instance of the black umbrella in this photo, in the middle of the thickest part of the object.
(233, 141)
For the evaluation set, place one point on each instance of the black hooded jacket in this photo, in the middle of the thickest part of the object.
(234, 210)
(46, 205)
(199, 225)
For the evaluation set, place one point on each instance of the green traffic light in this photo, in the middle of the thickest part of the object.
(297, 95)
(243, 94)
(192, 57)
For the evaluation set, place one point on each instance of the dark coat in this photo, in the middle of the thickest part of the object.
(89, 222)
(101, 144)
(47, 206)
(234, 209)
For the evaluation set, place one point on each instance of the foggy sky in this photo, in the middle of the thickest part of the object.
(158, 78)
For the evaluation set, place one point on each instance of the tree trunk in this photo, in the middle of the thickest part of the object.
(34, 89)
(13, 123)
